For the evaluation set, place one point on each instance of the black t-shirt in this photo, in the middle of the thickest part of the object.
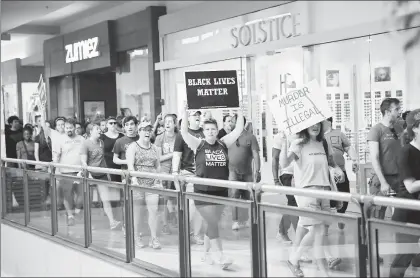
(187, 158)
(409, 168)
(108, 147)
(222, 133)
(12, 138)
(121, 146)
(212, 162)
(44, 150)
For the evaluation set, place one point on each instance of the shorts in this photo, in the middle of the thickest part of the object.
(219, 193)
(314, 204)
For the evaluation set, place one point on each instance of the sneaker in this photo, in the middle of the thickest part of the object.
(235, 226)
(341, 226)
(225, 262)
(195, 239)
(284, 238)
(207, 259)
(115, 225)
(333, 262)
(295, 269)
(154, 243)
(70, 220)
(166, 230)
(138, 241)
(305, 259)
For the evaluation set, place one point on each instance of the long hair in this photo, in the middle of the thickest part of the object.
(305, 134)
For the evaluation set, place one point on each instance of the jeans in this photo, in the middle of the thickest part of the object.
(240, 214)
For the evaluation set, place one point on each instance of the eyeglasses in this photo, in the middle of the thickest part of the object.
(146, 129)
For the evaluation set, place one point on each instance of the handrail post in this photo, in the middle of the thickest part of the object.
(128, 217)
(183, 233)
(87, 206)
(255, 191)
(25, 194)
(3, 190)
(361, 237)
(53, 196)
(371, 237)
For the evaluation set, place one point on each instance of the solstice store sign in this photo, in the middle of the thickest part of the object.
(271, 29)
(83, 50)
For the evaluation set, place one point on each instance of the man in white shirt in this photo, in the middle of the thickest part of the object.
(68, 152)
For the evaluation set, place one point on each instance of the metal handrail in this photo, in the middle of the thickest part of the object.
(183, 210)
(331, 195)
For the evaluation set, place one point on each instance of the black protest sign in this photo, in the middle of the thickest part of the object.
(212, 89)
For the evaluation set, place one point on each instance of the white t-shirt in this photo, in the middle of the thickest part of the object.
(277, 145)
(311, 167)
(69, 150)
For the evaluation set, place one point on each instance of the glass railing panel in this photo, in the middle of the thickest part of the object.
(39, 200)
(155, 227)
(398, 249)
(14, 195)
(304, 241)
(107, 221)
(70, 214)
(219, 227)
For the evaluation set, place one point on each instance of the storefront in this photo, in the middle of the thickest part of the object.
(19, 88)
(346, 46)
(100, 70)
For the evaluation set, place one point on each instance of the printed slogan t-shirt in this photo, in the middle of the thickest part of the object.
(311, 167)
(212, 163)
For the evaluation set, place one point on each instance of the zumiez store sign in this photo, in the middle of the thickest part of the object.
(82, 50)
(265, 30)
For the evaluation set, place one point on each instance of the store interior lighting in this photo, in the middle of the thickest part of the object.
(139, 52)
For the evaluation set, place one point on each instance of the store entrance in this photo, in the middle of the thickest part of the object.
(98, 95)
(275, 75)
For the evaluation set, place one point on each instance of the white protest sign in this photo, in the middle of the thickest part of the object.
(300, 109)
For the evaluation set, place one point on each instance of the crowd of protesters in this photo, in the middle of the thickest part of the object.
(195, 145)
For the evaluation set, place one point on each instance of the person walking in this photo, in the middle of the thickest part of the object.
(211, 161)
(166, 142)
(143, 156)
(92, 154)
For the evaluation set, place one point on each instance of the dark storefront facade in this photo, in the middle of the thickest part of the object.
(104, 68)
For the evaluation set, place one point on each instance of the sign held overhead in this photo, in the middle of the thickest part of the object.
(212, 89)
(300, 109)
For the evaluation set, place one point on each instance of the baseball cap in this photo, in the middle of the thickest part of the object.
(145, 124)
(413, 117)
(194, 112)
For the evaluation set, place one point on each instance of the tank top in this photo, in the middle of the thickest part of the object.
(211, 162)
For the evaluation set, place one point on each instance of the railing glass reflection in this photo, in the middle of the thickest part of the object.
(109, 217)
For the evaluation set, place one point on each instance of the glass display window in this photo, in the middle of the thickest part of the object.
(133, 90)
(10, 98)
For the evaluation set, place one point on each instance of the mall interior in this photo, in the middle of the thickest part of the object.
(106, 57)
